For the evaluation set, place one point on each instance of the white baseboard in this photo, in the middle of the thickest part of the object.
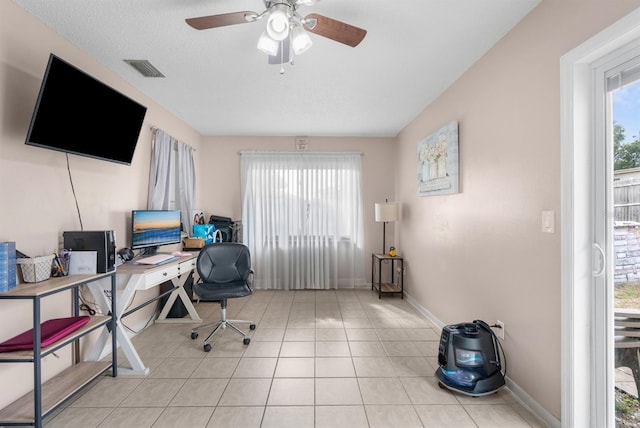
(524, 399)
(413, 302)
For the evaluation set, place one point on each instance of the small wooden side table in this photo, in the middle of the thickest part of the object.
(387, 287)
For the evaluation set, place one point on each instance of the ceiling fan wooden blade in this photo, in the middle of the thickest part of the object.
(334, 29)
(214, 21)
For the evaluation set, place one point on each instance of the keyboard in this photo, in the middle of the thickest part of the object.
(155, 259)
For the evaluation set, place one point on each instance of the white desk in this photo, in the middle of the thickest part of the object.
(131, 277)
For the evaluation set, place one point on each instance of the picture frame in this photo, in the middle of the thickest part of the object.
(438, 168)
(198, 217)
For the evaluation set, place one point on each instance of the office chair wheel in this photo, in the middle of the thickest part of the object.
(207, 347)
(252, 327)
(246, 341)
(194, 335)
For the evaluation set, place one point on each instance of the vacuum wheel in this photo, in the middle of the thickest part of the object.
(441, 385)
(194, 335)
(252, 327)
(207, 347)
(246, 340)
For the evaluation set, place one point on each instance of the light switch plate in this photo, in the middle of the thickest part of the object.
(548, 221)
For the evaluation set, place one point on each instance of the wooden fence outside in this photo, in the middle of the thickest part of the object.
(626, 200)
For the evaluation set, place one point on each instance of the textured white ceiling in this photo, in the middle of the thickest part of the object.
(219, 83)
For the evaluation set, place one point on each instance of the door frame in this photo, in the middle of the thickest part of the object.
(579, 131)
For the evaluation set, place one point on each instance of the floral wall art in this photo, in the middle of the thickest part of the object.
(438, 162)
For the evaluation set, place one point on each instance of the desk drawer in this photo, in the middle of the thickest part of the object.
(185, 267)
(160, 276)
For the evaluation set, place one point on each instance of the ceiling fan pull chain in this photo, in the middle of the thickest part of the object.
(282, 56)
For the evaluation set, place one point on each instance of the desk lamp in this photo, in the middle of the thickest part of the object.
(386, 212)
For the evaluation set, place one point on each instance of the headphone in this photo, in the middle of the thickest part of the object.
(126, 254)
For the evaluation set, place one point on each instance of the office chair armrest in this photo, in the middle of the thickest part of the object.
(249, 278)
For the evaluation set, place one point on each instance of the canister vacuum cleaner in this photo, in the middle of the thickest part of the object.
(470, 359)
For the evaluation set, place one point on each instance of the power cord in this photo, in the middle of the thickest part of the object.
(145, 325)
(86, 308)
(74, 192)
(91, 307)
(500, 349)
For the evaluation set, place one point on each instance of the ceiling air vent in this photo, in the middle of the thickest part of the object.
(144, 67)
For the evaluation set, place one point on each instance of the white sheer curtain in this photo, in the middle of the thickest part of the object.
(302, 218)
(161, 173)
(172, 180)
(186, 185)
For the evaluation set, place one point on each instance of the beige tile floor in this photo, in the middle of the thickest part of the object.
(317, 359)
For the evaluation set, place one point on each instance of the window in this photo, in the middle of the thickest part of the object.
(302, 217)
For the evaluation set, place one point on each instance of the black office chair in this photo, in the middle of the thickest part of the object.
(225, 273)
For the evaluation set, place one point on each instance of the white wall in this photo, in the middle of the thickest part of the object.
(37, 204)
(480, 254)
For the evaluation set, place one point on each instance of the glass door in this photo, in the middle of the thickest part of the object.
(623, 282)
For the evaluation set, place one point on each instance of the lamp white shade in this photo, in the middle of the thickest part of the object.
(267, 45)
(300, 40)
(388, 211)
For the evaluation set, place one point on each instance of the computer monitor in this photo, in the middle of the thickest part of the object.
(153, 228)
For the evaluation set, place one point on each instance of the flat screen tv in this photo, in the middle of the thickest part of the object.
(78, 114)
(153, 228)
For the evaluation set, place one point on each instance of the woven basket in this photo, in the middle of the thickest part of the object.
(35, 269)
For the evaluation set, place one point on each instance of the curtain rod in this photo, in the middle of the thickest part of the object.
(276, 152)
(155, 128)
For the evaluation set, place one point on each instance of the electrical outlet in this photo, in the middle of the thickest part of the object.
(499, 331)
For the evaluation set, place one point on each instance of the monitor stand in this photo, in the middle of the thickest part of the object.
(149, 251)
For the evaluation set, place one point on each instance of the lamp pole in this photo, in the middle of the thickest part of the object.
(384, 235)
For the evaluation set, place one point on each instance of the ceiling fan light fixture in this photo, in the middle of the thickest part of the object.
(286, 32)
(300, 40)
(278, 22)
(267, 45)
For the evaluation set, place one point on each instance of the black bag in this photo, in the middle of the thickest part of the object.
(224, 225)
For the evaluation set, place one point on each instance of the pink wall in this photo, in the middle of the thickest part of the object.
(481, 253)
(477, 254)
(39, 204)
(37, 201)
(220, 179)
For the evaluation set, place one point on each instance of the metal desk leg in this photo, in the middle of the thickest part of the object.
(37, 364)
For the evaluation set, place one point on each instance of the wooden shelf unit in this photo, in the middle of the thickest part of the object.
(54, 392)
(31, 408)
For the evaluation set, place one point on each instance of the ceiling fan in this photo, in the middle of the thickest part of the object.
(285, 28)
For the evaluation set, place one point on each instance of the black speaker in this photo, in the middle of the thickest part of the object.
(101, 241)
